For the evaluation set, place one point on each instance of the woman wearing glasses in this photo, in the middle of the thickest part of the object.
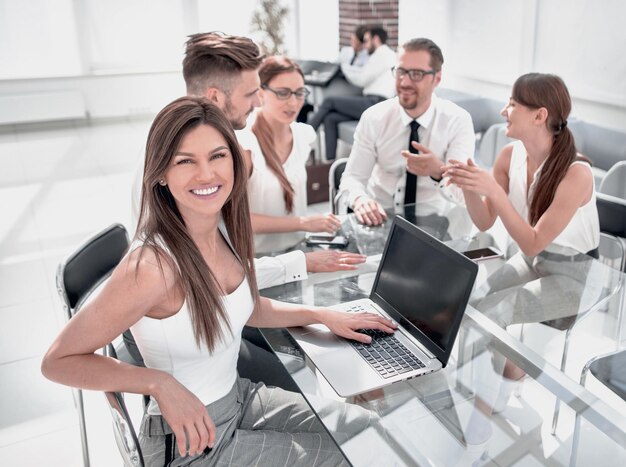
(279, 148)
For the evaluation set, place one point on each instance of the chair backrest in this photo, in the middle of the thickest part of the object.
(125, 434)
(89, 265)
(346, 130)
(612, 214)
(491, 144)
(610, 370)
(485, 112)
(334, 179)
(612, 251)
(604, 146)
(614, 182)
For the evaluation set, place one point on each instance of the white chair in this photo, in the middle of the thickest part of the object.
(614, 182)
(491, 144)
(334, 180)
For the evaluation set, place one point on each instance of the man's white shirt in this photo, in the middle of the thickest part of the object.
(376, 168)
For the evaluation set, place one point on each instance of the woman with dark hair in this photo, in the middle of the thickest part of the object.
(186, 289)
(543, 192)
(540, 187)
(279, 149)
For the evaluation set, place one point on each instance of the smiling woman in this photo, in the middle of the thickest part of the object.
(280, 148)
(186, 289)
(200, 175)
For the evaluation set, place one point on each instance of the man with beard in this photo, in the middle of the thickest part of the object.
(401, 144)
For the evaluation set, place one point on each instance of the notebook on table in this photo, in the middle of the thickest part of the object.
(421, 284)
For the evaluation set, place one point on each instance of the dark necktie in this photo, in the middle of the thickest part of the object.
(411, 180)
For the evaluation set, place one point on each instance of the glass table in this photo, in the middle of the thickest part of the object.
(444, 418)
(448, 417)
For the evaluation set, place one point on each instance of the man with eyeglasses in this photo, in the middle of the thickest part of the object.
(373, 77)
(401, 144)
(223, 69)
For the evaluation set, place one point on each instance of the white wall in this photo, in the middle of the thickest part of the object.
(124, 55)
(487, 44)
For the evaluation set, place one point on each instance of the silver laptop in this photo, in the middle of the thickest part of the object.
(421, 284)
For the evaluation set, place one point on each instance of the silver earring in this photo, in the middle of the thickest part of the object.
(162, 182)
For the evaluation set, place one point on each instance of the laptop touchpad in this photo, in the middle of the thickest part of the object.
(321, 341)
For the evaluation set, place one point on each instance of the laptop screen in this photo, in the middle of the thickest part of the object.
(425, 282)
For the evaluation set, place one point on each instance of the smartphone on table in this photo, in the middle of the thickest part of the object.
(482, 254)
(326, 239)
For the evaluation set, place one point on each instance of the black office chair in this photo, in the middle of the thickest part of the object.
(612, 214)
(610, 370)
(125, 434)
(78, 276)
(334, 179)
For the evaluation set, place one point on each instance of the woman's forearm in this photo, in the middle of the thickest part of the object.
(273, 313)
(518, 228)
(262, 223)
(100, 373)
(479, 210)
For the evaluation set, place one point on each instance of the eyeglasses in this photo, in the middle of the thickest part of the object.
(284, 94)
(414, 75)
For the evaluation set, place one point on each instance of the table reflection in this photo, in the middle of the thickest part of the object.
(452, 417)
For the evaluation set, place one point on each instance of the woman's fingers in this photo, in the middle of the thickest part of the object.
(210, 426)
(359, 337)
(188, 418)
(203, 441)
(181, 440)
(193, 438)
(374, 321)
(381, 326)
(380, 323)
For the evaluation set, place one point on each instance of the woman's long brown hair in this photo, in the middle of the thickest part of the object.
(270, 68)
(161, 224)
(537, 90)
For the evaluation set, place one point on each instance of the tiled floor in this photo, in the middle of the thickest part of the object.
(60, 184)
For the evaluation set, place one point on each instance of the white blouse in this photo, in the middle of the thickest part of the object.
(169, 345)
(264, 191)
(583, 231)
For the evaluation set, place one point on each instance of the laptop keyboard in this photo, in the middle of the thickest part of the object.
(386, 354)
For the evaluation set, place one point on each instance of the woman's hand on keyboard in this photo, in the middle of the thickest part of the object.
(347, 324)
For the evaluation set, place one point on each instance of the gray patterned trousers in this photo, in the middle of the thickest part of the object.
(256, 426)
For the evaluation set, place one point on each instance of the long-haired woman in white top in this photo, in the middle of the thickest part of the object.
(543, 191)
(186, 288)
(543, 203)
(280, 148)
